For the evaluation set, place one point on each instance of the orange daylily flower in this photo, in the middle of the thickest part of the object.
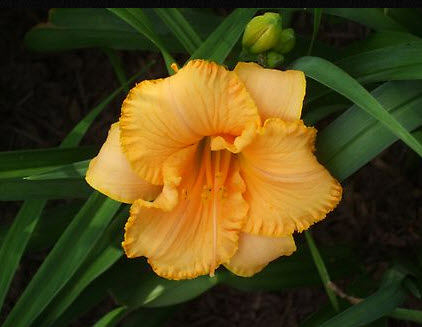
(218, 167)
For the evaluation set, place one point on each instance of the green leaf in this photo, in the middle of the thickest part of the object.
(355, 137)
(371, 17)
(330, 75)
(298, 270)
(15, 242)
(93, 295)
(74, 28)
(24, 224)
(38, 161)
(180, 27)
(219, 44)
(317, 21)
(314, 115)
(401, 61)
(153, 291)
(78, 132)
(136, 18)
(112, 318)
(28, 218)
(322, 269)
(105, 253)
(76, 170)
(361, 286)
(50, 226)
(26, 162)
(137, 287)
(23, 189)
(410, 18)
(116, 63)
(63, 260)
(377, 40)
(319, 49)
(375, 306)
(407, 314)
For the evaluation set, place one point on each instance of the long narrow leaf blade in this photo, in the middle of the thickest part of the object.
(330, 75)
(371, 17)
(407, 314)
(322, 269)
(112, 318)
(73, 170)
(401, 61)
(94, 294)
(52, 223)
(396, 62)
(379, 304)
(105, 253)
(23, 189)
(139, 21)
(21, 230)
(317, 21)
(63, 260)
(219, 44)
(75, 28)
(355, 137)
(12, 247)
(116, 63)
(180, 27)
(295, 271)
(21, 163)
(78, 132)
(154, 291)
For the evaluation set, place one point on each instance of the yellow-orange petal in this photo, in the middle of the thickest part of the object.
(278, 94)
(161, 117)
(201, 231)
(255, 252)
(287, 189)
(110, 173)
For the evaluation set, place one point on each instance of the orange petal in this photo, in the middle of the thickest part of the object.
(255, 252)
(201, 231)
(278, 94)
(110, 173)
(163, 116)
(287, 189)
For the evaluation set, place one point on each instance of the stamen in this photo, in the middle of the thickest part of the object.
(207, 162)
(217, 173)
(225, 166)
(215, 213)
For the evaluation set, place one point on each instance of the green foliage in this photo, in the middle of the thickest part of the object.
(85, 262)
(330, 75)
(317, 22)
(382, 302)
(218, 45)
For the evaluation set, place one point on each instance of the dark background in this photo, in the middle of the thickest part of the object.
(42, 96)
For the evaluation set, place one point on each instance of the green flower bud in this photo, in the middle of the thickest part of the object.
(262, 33)
(286, 41)
(274, 59)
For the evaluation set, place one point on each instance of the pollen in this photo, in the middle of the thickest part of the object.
(206, 192)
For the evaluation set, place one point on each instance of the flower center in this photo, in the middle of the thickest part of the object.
(212, 169)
